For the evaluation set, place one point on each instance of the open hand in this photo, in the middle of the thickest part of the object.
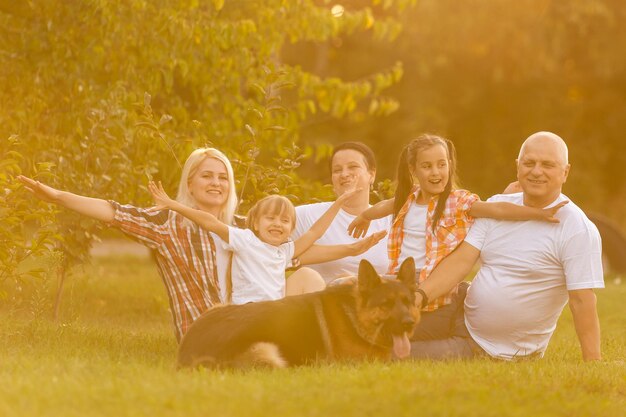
(359, 226)
(161, 199)
(39, 190)
(548, 214)
(363, 245)
(347, 195)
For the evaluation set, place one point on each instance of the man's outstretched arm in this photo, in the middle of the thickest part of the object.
(582, 303)
(450, 271)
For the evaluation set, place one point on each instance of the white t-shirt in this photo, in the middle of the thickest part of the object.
(337, 234)
(258, 269)
(513, 304)
(414, 242)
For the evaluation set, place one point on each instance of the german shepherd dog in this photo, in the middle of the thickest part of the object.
(344, 322)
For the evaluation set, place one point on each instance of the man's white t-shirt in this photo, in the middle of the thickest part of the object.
(528, 267)
(258, 268)
(337, 234)
(414, 242)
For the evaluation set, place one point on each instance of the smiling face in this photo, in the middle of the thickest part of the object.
(209, 185)
(542, 169)
(272, 219)
(349, 171)
(432, 171)
(274, 228)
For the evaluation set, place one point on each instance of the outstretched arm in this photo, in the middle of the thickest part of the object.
(508, 211)
(582, 303)
(95, 208)
(316, 231)
(324, 253)
(358, 227)
(449, 272)
(204, 219)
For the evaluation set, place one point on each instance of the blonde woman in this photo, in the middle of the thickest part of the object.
(191, 261)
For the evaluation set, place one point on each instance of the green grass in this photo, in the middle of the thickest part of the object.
(113, 354)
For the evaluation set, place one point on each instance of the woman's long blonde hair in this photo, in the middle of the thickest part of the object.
(191, 167)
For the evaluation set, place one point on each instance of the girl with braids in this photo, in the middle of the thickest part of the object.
(431, 217)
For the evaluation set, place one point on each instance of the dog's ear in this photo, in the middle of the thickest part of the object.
(368, 277)
(407, 273)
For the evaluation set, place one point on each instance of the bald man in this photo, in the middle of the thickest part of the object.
(529, 270)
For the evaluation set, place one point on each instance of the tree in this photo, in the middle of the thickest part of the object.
(486, 74)
(108, 93)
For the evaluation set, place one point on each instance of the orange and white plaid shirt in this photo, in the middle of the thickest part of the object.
(185, 257)
(451, 230)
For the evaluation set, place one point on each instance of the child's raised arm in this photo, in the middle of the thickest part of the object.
(321, 225)
(358, 227)
(508, 211)
(203, 218)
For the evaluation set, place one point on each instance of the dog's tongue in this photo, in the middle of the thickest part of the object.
(401, 346)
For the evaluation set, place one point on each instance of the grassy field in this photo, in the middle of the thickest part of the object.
(113, 354)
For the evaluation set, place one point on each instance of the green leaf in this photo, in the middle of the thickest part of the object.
(257, 112)
(250, 130)
(166, 118)
(218, 4)
(6, 164)
(277, 108)
(259, 89)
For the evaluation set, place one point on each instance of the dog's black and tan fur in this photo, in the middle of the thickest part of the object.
(366, 320)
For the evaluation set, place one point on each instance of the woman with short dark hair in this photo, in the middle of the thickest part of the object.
(352, 165)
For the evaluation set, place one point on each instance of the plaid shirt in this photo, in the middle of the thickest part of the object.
(451, 229)
(185, 257)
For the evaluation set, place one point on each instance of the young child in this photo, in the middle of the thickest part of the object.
(263, 250)
(432, 217)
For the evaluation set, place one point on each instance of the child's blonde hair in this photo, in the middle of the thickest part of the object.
(272, 204)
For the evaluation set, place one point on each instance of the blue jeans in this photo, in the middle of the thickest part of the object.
(442, 334)
(452, 348)
(445, 322)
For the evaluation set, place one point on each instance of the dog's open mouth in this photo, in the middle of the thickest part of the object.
(401, 345)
